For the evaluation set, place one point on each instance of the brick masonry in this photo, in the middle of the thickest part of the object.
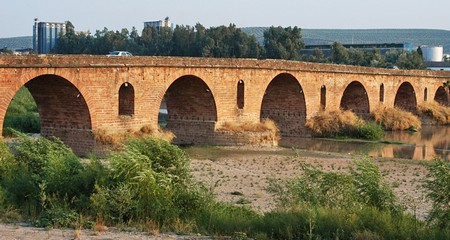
(78, 94)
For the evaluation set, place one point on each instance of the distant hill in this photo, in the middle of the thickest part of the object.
(417, 37)
(17, 42)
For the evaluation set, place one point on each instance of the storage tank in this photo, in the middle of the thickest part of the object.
(432, 54)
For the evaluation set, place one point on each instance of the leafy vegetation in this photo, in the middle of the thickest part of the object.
(438, 185)
(148, 183)
(418, 37)
(22, 114)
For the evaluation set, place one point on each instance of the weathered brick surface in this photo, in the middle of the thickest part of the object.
(77, 94)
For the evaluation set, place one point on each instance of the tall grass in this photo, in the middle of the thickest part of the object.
(339, 123)
(437, 112)
(396, 119)
(148, 183)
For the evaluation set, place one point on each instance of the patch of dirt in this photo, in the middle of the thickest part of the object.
(243, 178)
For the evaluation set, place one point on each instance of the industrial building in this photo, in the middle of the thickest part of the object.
(434, 58)
(45, 35)
(159, 24)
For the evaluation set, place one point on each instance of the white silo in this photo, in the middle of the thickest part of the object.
(432, 54)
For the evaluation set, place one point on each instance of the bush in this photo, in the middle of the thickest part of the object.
(439, 113)
(44, 174)
(152, 177)
(396, 119)
(343, 124)
(438, 186)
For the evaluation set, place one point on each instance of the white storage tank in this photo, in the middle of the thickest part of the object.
(432, 54)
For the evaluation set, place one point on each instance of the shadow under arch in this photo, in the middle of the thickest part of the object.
(355, 99)
(63, 112)
(405, 98)
(284, 103)
(191, 110)
(442, 96)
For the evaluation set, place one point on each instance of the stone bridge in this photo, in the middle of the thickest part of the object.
(79, 94)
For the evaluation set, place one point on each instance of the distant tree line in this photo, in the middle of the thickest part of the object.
(223, 42)
(341, 55)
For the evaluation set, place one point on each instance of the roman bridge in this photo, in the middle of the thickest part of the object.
(77, 95)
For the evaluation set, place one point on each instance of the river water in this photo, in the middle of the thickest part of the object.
(430, 142)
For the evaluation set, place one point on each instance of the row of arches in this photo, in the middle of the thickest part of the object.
(191, 106)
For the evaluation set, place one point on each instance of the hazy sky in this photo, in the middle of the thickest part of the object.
(17, 16)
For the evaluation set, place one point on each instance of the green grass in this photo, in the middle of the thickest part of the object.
(149, 181)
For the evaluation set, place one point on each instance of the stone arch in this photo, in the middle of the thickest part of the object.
(126, 99)
(63, 111)
(406, 97)
(442, 96)
(191, 110)
(284, 103)
(355, 99)
(240, 94)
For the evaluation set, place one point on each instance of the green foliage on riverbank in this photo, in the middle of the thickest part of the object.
(148, 184)
(22, 114)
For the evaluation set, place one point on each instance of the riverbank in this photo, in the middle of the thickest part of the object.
(240, 175)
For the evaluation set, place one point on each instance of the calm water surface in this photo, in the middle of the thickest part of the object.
(430, 142)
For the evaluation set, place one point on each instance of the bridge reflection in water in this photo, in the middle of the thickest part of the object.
(430, 142)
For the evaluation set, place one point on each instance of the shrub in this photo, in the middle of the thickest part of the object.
(44, 174)
(439, 113)
(343, 124)
(364, 187)
(371, 189)
(396, 119)
(152, 177)
(329, 123)
(438, 186)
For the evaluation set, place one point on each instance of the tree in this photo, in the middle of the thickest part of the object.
(339, 54)
(410, 60)
(283, 43)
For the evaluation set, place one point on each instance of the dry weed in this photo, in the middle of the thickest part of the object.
(114, 139)
(396, 119)
(77, 234)
(439, 113)
(332, 121)
(260, 133)
(267, 125)
(100, 226)
(153, 228)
